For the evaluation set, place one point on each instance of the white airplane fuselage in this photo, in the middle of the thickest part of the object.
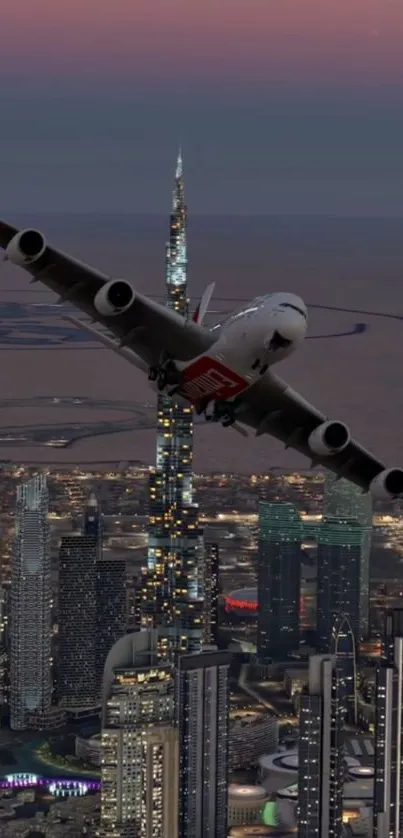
(249, 341)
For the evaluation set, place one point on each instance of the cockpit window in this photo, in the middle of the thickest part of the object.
(290, 305)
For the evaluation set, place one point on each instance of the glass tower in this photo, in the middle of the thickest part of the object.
(172, 587)
(340, 590)
(344, 501)
(279, 577)
(31, 606)
(388, 781)
(201, 712)
(321, 752)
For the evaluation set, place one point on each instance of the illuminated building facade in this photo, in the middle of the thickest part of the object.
(211, 591)
(388, 781)
(139, 773)
(111, 609)
(344, 501)
(31, 597)
(339, 585)
(201, 712)
(321, 752)
(279, 580)
(173, 580)
(343, 647)
(78, 689)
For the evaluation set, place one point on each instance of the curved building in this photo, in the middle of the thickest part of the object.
(343, 646)
(246, 804)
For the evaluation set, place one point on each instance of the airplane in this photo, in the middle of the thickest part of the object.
(226, 371)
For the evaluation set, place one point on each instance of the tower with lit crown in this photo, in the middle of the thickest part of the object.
(172, 584)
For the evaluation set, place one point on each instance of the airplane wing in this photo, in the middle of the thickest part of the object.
(147, 327)
(272, 407)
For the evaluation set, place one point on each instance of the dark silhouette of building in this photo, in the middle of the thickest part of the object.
(202, 704)
(343, 646)
(321, 752)
(339, 578)
(78, 688)
(111, 609)
(211, 591)
(388, 780)
(279, 580)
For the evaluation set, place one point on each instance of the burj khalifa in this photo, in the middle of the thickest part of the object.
(172, 582)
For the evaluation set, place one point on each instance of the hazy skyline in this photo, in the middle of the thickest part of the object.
(286, 109)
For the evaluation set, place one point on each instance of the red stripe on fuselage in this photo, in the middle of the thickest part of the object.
(208, 378)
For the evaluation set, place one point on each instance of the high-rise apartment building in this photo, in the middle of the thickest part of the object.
(139, 795)
(388, 781)
(202, 702)
(321, 752)
(279, 580)
(31, 595)
(339, 586)
(343, 501)
(211, 591)
(78, 688)
(172, 585)
(111, 604)
(343, 647)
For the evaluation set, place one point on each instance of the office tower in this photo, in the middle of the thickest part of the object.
(343, 647)
(339, 586)
(201, 712)
(173, 581)
(31, 607)
(279, 580)
(139, 791)
(211, 592)
(93, 519)
(388, 780)
(393, 628)
(78, 688)
(111, 608)
(321, 752)
(344, 501)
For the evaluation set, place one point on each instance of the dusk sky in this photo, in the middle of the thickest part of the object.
(288, 107)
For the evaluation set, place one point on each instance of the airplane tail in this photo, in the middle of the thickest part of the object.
(204, 303)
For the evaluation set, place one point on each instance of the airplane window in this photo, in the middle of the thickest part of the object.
(290, 305)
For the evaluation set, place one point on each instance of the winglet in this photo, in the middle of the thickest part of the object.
(202, 308)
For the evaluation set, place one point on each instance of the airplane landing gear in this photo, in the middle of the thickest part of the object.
(222, 412)
(166, 374)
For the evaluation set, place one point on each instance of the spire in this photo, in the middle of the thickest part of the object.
(179, 164)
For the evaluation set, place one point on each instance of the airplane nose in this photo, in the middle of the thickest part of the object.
(291, 326)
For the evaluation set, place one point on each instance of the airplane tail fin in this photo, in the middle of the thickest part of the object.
(204, 303)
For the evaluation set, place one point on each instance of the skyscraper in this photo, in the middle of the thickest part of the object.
(211, 591)
(202, 702)
(31, 607)
(78, 688)
(343, 501)
(388, 781)
(139, 794)
(321, 752)
(173, 580)
(343, 647)
(279, 580)
(111, 609)
(339, 588)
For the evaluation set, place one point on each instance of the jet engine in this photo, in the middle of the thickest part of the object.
(387, 485)
(114, 298)
(329, 438)
(25, 248)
